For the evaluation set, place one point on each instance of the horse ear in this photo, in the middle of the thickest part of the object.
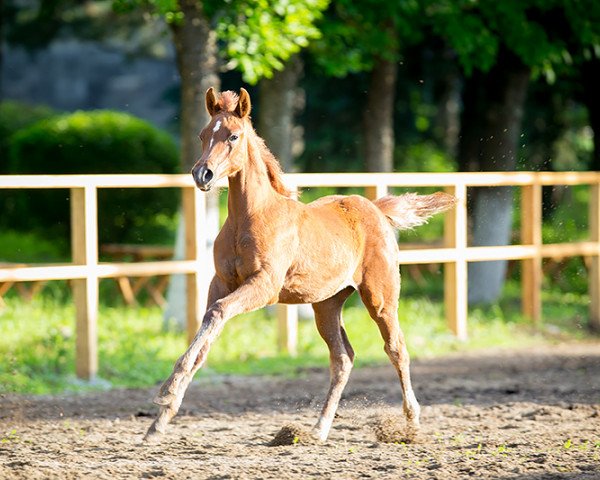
(243, 107)
(212, 104)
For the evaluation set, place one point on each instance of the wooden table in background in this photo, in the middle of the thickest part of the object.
(26, 290)
(130, 287)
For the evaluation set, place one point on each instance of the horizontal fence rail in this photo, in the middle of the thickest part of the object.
(85, 270)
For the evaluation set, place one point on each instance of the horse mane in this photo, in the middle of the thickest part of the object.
(273, 168)
(228, 100)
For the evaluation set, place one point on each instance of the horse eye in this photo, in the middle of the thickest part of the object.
(233, 138)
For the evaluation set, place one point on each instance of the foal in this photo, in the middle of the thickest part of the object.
(275, 249)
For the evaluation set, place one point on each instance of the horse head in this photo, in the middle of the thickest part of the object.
(223, 140)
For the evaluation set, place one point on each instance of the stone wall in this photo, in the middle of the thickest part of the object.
(71, 75)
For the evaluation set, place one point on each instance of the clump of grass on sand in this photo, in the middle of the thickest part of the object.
(292, 434)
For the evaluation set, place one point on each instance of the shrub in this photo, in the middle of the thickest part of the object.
(29, 247)
(98, 142)
(15, 116)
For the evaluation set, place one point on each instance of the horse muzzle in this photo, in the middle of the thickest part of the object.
(204, 177)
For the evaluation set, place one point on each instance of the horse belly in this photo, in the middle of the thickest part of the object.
(315, 286)
(328, 257)
(295, 296)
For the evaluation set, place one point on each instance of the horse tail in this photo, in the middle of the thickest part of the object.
(411, 210)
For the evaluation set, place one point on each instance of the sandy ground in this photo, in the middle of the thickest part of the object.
(501, 415)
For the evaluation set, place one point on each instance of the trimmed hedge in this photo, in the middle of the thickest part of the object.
(92, 142)
(15, 116)
(96, 142)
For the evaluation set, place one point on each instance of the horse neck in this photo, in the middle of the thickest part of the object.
(250, 189)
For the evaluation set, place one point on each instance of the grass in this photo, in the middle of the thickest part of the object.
(37, 344)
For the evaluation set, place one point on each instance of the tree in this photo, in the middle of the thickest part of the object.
(258, 37)
(491, 126)
(197, 63)
(590, 76)
(263, 42)
(368, 36)
(278, 104)
(499, 46)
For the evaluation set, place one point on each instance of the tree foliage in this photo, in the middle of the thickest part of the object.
(33, 24)
(261, 35)
(544, 34)
(356, 33)
(258, 36)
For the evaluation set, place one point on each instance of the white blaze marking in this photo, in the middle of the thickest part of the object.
(215, 130)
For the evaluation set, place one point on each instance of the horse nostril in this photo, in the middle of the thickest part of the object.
(206, 176)
(202, 175)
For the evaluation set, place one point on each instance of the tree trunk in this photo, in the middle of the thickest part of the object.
(505, 89)
(447, 121)
(470, 123)
(590, 75)
(196, 48)
(378, 120)
(492, 222)
(196, 51)
(2, 20)
(278, 104)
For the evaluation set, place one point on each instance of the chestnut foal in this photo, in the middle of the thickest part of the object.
(275, 249)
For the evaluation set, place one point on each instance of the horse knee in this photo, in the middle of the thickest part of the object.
(347, 363)
(212, 318)
(397, 352)
(341, 365)
(214, 313)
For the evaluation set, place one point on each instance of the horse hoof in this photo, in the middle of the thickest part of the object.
(151, 438)
(152, 435)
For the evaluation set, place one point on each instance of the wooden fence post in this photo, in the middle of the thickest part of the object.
(374, 192)
(84, 250)
(194, 215)
(594, 282)
(287, 328)
(455, 273)
(531, 234)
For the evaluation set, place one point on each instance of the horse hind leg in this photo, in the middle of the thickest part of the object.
(328, 316)
(380, 297)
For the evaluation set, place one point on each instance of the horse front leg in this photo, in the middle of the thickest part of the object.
(192, 360)
(253, 294)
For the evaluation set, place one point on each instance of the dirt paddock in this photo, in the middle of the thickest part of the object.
(501, 415)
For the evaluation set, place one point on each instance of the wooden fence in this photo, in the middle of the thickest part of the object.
(85, 270)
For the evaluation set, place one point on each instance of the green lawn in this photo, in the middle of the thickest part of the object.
(37, 345)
